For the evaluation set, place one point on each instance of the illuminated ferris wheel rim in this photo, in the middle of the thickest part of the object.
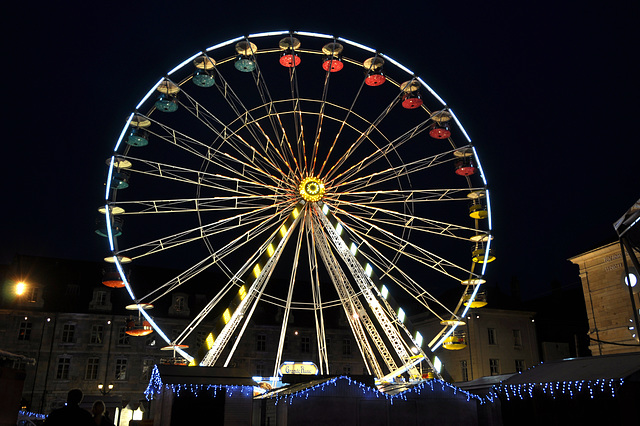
(312, 193)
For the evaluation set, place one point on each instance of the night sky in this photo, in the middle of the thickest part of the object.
(548, 93)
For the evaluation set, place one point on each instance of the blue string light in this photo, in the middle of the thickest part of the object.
(31, 415)
(605, 387)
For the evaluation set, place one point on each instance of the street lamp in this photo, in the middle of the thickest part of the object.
(21, 287)
(103, 390)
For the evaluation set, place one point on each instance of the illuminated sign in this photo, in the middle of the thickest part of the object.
(307, 368)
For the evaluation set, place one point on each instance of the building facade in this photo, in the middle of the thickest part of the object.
(609, 303)
(75, 330)
(498, 342)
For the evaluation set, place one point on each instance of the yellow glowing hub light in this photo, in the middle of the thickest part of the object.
(226, 316)
(20, 288)
(242, 292)
(311, 189)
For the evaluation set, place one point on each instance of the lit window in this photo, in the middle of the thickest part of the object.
(147, 367)
(123, 337)
(30, 295)
(24, 332)
(121, 369)
(97, 334)
(179, 303)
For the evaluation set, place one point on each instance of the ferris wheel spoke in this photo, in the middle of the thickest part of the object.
(318, 310)
(186, 205)
(248, 160)
(289, 299)
(401, 246)
(359, 321)
(361, 138)
(402, 196)
(243, 312)
(202, 179)
(393, 172)
(271, 150)
(261, 217)
(382, 217)
(343, 124)
(382, 151)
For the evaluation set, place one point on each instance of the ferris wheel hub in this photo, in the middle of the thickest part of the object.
(311, 189)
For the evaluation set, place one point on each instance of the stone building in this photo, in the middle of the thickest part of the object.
(498, 342)
(74, 328)
(609, 303)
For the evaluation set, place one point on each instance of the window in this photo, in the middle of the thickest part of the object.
(494, 366)
(100, 298)
(24, 331)
(62, 373)
(464, 371)
(201, 337)
(91, 372)
(346, 346)
(517, 339)
(147, 368)
(121, 369)
(123, 337)
(260, 370)
(261, 343)
(179, 303)
(493, 337)
(305, 344)
(520, 366)
(72, 290)
(346, 370)
(68, 330)
(19, 364)
(97, 334)
(30, 295)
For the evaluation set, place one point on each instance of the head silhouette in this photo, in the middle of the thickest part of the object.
(74, 397)
(98, 408)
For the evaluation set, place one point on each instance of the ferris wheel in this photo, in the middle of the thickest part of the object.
(316, 175)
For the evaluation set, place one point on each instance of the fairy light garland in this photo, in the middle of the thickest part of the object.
(605, 387)
(156, 385)
(31, 415)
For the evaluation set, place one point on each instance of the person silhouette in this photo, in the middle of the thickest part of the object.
(99, 418)
(71, 414)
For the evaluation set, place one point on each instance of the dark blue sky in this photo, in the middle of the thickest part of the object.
(548, 92)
